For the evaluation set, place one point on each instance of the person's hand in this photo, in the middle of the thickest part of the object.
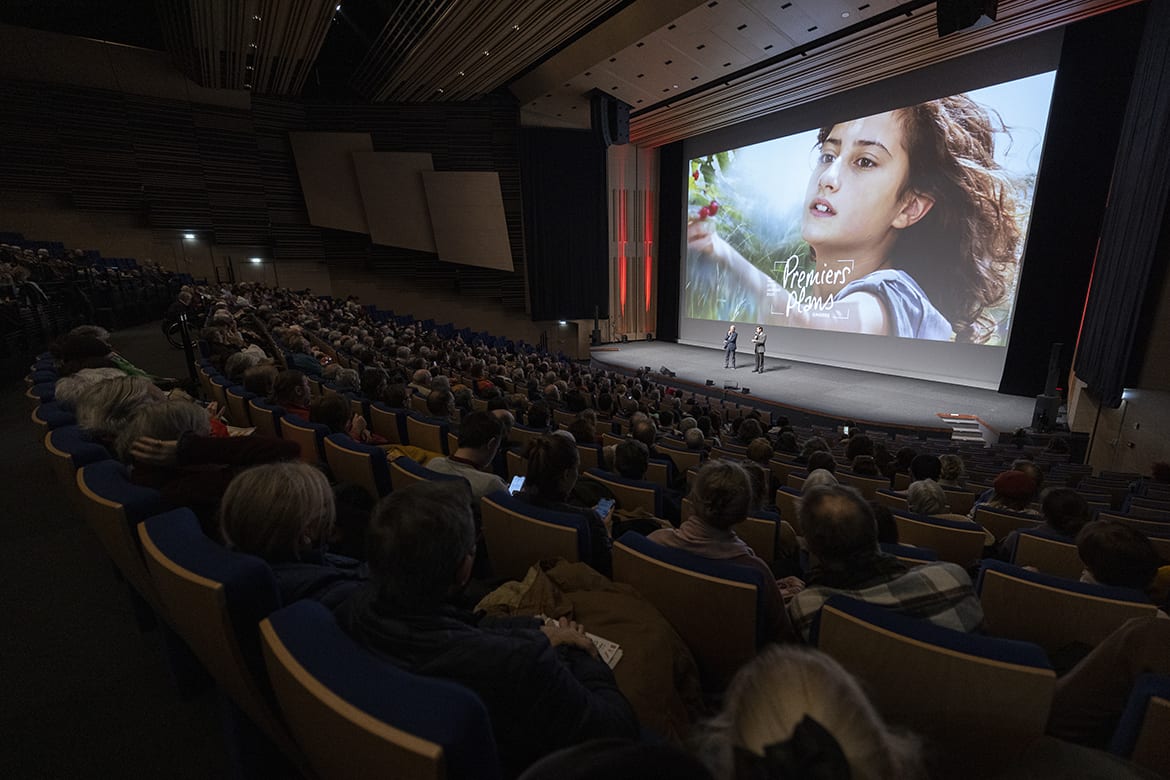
(570, 633)
(213, 410)
(357, 428)
(155, 452)
(790, 586)
(701, 236)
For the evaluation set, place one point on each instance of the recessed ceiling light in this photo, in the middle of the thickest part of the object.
(674, 86)
(844, 14)
(487, 53)
(515, 27)
(257, 260)
(461, 73)
(189, 236)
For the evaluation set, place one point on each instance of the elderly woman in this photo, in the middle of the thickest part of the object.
(170, 450)
(284, 513)
(721, 498)
(926, 497)
(105, 408)
(801, 704)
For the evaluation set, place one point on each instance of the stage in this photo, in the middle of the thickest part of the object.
(827, 392)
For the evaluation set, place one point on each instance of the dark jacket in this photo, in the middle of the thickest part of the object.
(321, 576)
(540, 699)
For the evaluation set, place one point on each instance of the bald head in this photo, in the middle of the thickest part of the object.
(837, 522)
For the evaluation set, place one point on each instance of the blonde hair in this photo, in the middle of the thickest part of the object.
(109, 404)
(167, 420)
(277, 511)
(775, 691)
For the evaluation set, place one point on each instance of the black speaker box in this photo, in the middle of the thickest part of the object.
(954, 15)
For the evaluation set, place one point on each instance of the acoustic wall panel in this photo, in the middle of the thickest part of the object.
(395, 200)
(328, 180)
(467, 213)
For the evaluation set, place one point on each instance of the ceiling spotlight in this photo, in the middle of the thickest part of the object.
(338, 8)
(247, 86)
(675, 86)
(515, 27)
(439, 90)
(251, 46)
(844, 14)
(257, 260)
(487, 53)
(255, 17)
(461, 73)
(562, 322)
(248, 67)
(189, 236)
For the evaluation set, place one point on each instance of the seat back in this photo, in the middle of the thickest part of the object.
(957, 541)
(788, 502)
(1050, 555)
(1145, 722)
(889, 498)
(518, 535)
(219, 386)
(657, 471)
(714, 606)
(112, 506)
(910, 555)
(265, 416)
(237, 405)
(868, 486)
(1001, 522)
(309, 436)
(630, 494)
(517, 464)
(357, 715)
(388, 423)
(418, 404)
(683, 459)
(358, 464)
(589, 455)
(405, 472)
(1051, 611)
(760, 534)
(431, 436)
(960, 501)
(972, 696)
(214, 598)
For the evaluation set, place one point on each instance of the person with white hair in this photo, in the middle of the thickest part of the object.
(794, 712)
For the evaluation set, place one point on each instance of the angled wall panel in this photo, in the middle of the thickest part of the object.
(467, 213)
(395, 200)
(325, 167)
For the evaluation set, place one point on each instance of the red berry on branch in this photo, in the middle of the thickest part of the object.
(713, 208)
(704, 212)
(695, 175)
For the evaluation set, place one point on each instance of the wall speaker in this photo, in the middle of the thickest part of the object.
(710, 383)
(665, 371)
(610, 118)
(954, 15)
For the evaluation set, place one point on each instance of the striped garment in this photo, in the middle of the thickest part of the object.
(938, 592)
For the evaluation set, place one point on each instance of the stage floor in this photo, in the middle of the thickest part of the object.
(826, 391)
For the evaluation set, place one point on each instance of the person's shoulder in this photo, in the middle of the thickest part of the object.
(941, 573)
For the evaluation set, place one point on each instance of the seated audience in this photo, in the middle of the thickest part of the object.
(822, 461)
(1012, 490)
(794, 713)
(104, 409)
(926, 497)
(553, 463)
(70, 389)
(284, 513)
(865, 466)
(841, 534)
(290, 391)
(952, 475)
(170, 450)
(720, 499)
(479, 440)
(1065, 513)
(543, 686)
(259, 380)
(925, 467)
(1119, 555)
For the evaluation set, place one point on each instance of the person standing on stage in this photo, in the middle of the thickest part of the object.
(729, 347)
(758, 339)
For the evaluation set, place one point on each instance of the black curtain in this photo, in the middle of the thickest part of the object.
(1133, 220)
(1088, 107)
(562, 175)
(671, 207)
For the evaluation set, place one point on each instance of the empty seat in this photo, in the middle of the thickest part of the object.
(956, 540)
(427, 434)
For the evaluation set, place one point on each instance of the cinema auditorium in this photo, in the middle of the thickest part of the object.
(490, 389)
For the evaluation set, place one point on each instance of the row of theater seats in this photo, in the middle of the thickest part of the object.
(325, 706)
(716, 609)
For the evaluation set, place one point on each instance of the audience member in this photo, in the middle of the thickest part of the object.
(952, 475)
(290, 391)
(720, 499)
(794, 712)
(1120, 555)
(841, 534)
(480, 436)
(926, 497)
(543, 686)
(1012, 490)
(1065, 513)
(284, 513)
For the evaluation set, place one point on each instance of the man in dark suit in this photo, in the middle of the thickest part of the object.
(729, 347)
(758, 339)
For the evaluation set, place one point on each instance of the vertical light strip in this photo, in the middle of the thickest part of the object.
(622, 245)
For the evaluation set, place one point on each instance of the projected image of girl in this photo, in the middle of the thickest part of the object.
(911, 229)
